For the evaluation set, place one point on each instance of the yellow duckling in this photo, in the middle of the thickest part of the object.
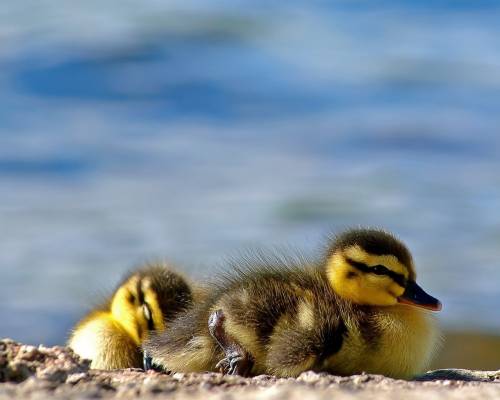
(357, 309)
(145, 301)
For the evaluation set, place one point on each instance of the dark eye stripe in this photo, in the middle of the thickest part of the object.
(151, 324)
(380, 270)
(398, 278)
(140, 293)
(359, 265)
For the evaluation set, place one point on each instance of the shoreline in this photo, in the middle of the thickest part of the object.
(469, 350)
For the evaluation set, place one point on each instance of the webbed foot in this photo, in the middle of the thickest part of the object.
(237, 361)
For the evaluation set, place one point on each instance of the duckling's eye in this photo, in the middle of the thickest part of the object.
(380, 270)
(131, 298)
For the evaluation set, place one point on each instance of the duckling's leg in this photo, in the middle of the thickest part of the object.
(237, 361)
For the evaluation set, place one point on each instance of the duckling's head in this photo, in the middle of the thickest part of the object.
(147, 299)
(372, 267)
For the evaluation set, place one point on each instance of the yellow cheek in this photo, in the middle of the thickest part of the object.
(379, 290)
(125, 313)
(379, 298)
(345, 286)
(396, 289)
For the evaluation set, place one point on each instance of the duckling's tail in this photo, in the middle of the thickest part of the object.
(186, 346)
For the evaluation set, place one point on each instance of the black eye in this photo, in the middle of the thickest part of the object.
(131, 298)
(380, 270)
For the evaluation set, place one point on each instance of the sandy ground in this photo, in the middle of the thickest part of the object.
(55, 372)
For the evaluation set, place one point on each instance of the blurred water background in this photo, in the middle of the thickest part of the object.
(132, 131)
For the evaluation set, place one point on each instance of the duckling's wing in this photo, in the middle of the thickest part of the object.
(291, 352)
(303, 346)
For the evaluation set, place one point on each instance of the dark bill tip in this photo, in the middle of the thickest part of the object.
(416, 296)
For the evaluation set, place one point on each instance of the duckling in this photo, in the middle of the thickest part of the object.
(146, 300)
(357, 308)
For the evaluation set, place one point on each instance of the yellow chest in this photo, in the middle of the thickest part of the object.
(105, 342)
(406, 339)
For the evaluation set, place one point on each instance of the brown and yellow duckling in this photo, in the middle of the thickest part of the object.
(146, 300)
(357, 309)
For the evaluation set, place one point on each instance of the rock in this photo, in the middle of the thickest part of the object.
(56, 372)
(461, 375)
(18, 362)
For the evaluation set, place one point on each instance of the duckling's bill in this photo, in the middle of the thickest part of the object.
(414, 295)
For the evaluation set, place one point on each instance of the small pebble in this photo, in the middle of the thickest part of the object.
(75, 378)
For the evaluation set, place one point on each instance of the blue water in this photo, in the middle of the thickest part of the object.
(193, 131)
